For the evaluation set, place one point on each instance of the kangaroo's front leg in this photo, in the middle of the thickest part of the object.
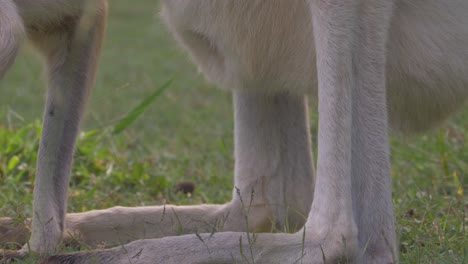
(71, 45)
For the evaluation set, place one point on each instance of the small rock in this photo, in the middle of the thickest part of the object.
(187, 187)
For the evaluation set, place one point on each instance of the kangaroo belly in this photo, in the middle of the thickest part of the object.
(267, 45)
(427, 62)
(251, 45)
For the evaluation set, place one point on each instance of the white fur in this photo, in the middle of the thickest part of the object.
(375, 65)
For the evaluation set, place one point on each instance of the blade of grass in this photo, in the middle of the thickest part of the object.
(128, 119)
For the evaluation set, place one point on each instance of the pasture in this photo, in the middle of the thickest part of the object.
(187, 134)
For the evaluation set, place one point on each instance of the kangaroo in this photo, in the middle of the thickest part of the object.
(375, 66)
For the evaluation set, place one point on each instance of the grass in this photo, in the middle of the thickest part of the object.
(186, 134)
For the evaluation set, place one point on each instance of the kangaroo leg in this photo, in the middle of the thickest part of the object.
(351, 215)
(69, 36)
(273, 182)
(273, 179)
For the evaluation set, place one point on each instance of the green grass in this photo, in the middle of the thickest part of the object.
(186, 134)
